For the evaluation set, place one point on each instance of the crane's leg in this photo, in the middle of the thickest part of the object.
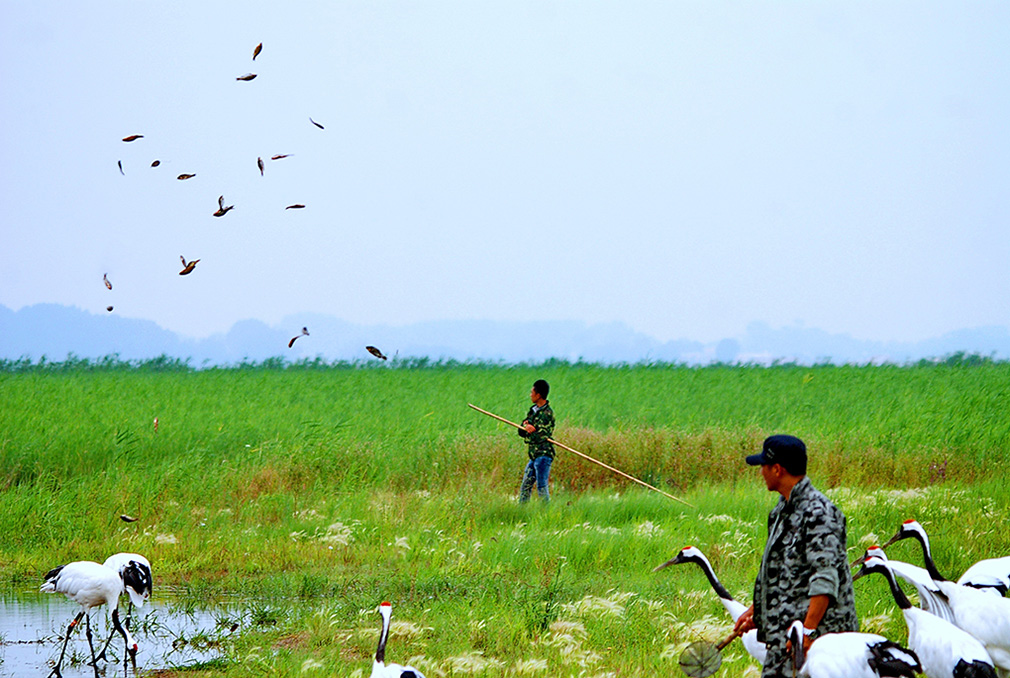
(112, 633)
(56, 671)
(87, 628)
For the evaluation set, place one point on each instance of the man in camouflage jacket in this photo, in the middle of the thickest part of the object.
(537, 429)
(804, 571)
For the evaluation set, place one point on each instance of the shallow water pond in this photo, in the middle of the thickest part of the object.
(168, 635)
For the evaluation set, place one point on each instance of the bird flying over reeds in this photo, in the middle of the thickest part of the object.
(257, 50)
(376, 352)
(305, 333)
(247, 77)
(187, 267)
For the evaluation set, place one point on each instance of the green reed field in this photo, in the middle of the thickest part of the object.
(317, 491)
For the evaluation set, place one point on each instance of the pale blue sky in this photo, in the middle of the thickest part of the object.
(684, 168)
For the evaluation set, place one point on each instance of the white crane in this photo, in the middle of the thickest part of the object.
(991, 575)
(851, 655)
(690, 554)
(984, 615)
(90, 585)
(135, 571)
(380, 669)
(930, 598)
(945, 650)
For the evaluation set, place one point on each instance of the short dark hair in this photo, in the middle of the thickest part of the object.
(541, 387)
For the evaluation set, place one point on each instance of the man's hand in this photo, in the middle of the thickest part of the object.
(530, 428)
(745, 622)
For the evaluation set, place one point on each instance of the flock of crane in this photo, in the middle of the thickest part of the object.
(189, 266)
(960, 630)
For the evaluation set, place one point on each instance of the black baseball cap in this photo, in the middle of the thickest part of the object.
(789, 451)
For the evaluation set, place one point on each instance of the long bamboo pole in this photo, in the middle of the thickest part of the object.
(585, 456)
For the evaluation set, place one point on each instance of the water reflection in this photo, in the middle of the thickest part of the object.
(168, 633)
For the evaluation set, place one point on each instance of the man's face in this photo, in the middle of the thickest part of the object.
(772, 474)
(534, 396)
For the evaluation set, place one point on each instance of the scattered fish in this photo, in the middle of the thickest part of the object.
(120, 163)
(188, 267)
(315, 123)
(127, 519)
(109, 309)
(259, 163)
(278, 157)
(155, 163)
(105, 279)
(247, 77)
(183, 177)
(296, 206)
(305, 333)
(376, 352)
(222, 210)
(133, 137)
(257, 50)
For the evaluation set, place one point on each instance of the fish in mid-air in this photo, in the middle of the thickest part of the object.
(247, 77)
(257, 50)
(221, 209)
(278, 157)
(187, 267)
(259, 163)
(127, 519)
(296, 206)
(183, 177)
(376, 352)
(109, 309)
(120, 163)
(155, 163)
(133, 137)
(105, 279)
(305, 333)
(315, 123)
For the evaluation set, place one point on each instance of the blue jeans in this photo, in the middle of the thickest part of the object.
(538, 469)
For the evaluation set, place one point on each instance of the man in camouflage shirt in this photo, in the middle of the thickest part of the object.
(537, 428)
(804, 571)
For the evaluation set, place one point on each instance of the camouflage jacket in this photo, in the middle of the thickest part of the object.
(543, 419)
(805, 556)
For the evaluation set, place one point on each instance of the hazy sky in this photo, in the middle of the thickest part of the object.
(685, 168)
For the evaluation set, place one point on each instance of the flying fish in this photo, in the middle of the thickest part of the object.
(109, 309)
(305, 333)
(278, 157)
(222, 210)
(155, 163)
(259, 163)
(127, 519)
(183, 177)
(187, 267)
(376, 352)
(257, 50)
(105, 279)
(247, 77)
(120, 163)
(315, 123)
(296, 206)
(133, 137)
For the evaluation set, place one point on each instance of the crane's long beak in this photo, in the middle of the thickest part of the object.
(676, 560)
(858, 561)
(897, 537)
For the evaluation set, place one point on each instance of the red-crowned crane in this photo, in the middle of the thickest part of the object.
(380, 669)
(691, 554)
(135, 571)
(984, 615)
(945, 650)
(90, 585)
(930, 598)
(851, 655)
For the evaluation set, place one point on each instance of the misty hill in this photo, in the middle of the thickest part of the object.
(56, 331)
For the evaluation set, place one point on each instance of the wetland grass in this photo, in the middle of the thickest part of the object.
(317, 492)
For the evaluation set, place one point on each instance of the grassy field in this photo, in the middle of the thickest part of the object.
(317, 491)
